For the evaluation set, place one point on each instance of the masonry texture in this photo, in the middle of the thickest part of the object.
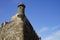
(19, 28)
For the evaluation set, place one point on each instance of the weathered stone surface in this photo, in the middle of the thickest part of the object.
(19, 28)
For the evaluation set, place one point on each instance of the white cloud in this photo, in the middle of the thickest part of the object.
(43, 29)
(54, 36)
(53, 28)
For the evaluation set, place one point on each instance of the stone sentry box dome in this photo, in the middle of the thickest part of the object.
(19, 28)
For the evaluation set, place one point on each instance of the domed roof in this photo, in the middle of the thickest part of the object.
(21, 4)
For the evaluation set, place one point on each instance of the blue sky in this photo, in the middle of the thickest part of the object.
(44, 15)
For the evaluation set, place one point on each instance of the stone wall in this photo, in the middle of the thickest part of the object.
(19, 28)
